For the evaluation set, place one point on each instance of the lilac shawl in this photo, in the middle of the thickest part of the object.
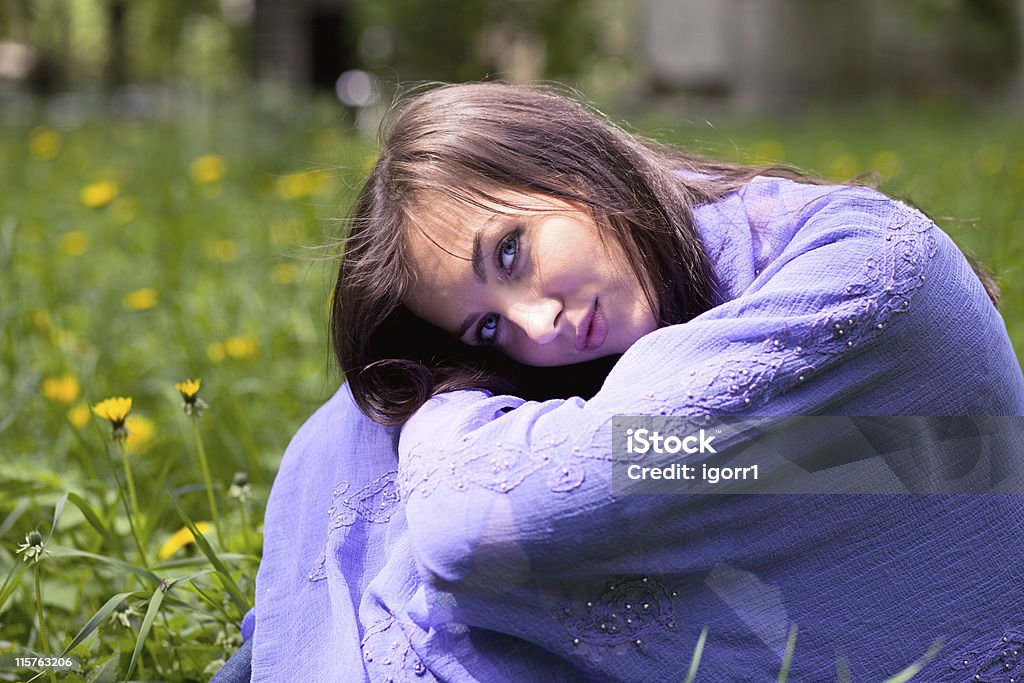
(482, 540)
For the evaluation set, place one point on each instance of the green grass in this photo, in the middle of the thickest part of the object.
(174, 278)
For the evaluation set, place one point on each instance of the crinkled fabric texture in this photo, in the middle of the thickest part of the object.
(483, 542)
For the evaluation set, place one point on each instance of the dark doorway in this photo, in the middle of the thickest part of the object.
(330, 34)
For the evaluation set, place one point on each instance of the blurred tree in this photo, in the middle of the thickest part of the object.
(431, 39)
(116, 71)
(983, 36)
(456, 40)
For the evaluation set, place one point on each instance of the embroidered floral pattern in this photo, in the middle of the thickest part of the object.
(388, 656)
(625, 613)
(501, 469)
(1002, 662)
(882, 289)
(373, 503)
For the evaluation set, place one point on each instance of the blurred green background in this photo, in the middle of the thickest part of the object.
(172, 170)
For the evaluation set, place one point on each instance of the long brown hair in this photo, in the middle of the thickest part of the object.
(466, 143)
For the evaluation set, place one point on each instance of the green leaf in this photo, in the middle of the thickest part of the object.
(147, 624)
(106, 671)
(13, 489)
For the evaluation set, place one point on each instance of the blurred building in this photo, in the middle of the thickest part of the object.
(759, 54)
(746, 54)
(303, 41)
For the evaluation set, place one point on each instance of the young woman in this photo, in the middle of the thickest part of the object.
(431, 522)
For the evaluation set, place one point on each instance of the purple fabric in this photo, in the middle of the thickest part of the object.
(482, 540)
(248, 625)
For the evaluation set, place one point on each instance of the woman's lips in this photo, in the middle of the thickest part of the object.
(593, 330)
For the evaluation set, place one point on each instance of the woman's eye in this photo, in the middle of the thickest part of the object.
(488, 330)
(508, 250)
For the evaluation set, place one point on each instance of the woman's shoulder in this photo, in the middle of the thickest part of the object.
(783, 200)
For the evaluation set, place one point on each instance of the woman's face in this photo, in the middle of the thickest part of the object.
(537, 282)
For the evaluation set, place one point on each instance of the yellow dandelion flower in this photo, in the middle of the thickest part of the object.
(74, 243)
(285, 233)
(844, 167)
(79, 415)
(140, 299)
(140, 433)
(189, 388)
(63, 389)
(41, 320)
(224, 251)
(215, 352)
(181, 538)
(769, 150)
(208, 169)
(241, 348)
(886, 163)
(115, 409)
(301, 184)
(369, 162)
(44, 143)
(989, 159)
(191, 403)
(63, 339)
(283, 274)
(98, 194)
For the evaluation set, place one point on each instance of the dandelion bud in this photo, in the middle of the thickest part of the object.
(240, 489)
(33, 547)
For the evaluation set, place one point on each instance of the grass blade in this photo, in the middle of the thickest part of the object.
(111, 561)
(58, 510)
(222, 571)
(94, 519)
(11, 582)
(147, 624)
(698, 650)
(787, 659)
(12, 518)
(98, 618)
(916, 667)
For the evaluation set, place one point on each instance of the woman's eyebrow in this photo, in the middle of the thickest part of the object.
(478, 259)
(480, 274)
(467, 322)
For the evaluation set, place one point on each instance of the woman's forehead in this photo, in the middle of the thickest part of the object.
(448, 221)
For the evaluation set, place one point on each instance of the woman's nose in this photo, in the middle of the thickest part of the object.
(538, 319)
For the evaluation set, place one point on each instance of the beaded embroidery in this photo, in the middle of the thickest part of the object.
(1002, 662)
(388, 656)
(628, 611)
